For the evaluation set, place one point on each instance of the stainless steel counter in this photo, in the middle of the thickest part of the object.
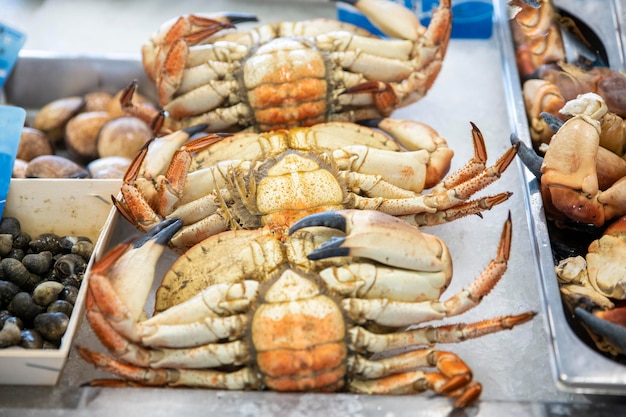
(514, 367)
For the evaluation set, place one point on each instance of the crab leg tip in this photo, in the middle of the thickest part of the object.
(241, 17)
(328, 219)
(161, 233)
(350, 2)
(329, 249)
(192, 130)
(370, 122)
(552, 121)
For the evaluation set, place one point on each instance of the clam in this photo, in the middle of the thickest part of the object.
(14, 271)
(6, 243)
(111, 167)
(123, 136)
(61, 306)
(10, 225)
(53, 117)
(47, 292)
(54, 166)
(38, 263)
(81, 134)
(97, 101)
(33, 143)
(7, 292)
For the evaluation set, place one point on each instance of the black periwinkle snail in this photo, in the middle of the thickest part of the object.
(39, 283)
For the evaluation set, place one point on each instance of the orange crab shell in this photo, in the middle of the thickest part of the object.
(300, 343)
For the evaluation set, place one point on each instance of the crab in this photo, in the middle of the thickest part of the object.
(289, 74)
(544, 36)
(248, 180)
(593, 288)
(581, 181)
(537, 38)
(572, 81)
(302, 312)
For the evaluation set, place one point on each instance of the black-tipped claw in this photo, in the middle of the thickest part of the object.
(241, 17)
(613, 333)
(161, 233)
(327, 219)
(192, 130)
(329, 249)
(553, 122)
(532, 3)
(528, 156)
(350, 2)
(370, 122)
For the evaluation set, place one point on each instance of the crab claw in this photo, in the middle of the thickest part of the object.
(529, 157)
(553, 122)
(605, 324)
(378, 236)
(123, 268)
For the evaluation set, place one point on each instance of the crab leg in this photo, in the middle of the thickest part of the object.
(236, 380)
(405, 25)
(393, 376)
(447, 200)
(165, 63)
(363, 340)
(170, 183)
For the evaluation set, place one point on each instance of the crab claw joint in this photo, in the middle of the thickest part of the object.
(377, 236)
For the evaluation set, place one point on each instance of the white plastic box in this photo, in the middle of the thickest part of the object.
(65, 207)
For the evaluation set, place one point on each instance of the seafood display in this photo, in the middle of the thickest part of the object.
(290, 74)
(574, 105)
(297, 216)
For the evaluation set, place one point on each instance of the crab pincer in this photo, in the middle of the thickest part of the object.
(608, 325)
(376, 236)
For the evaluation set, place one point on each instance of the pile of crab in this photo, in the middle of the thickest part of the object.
(575, 111)
(301, 253)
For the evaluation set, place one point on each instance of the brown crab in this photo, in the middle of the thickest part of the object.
(290, 74)
(301, 312)
(247, 180)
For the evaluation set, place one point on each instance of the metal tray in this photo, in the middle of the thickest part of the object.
(40, 77)
(576, 366)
